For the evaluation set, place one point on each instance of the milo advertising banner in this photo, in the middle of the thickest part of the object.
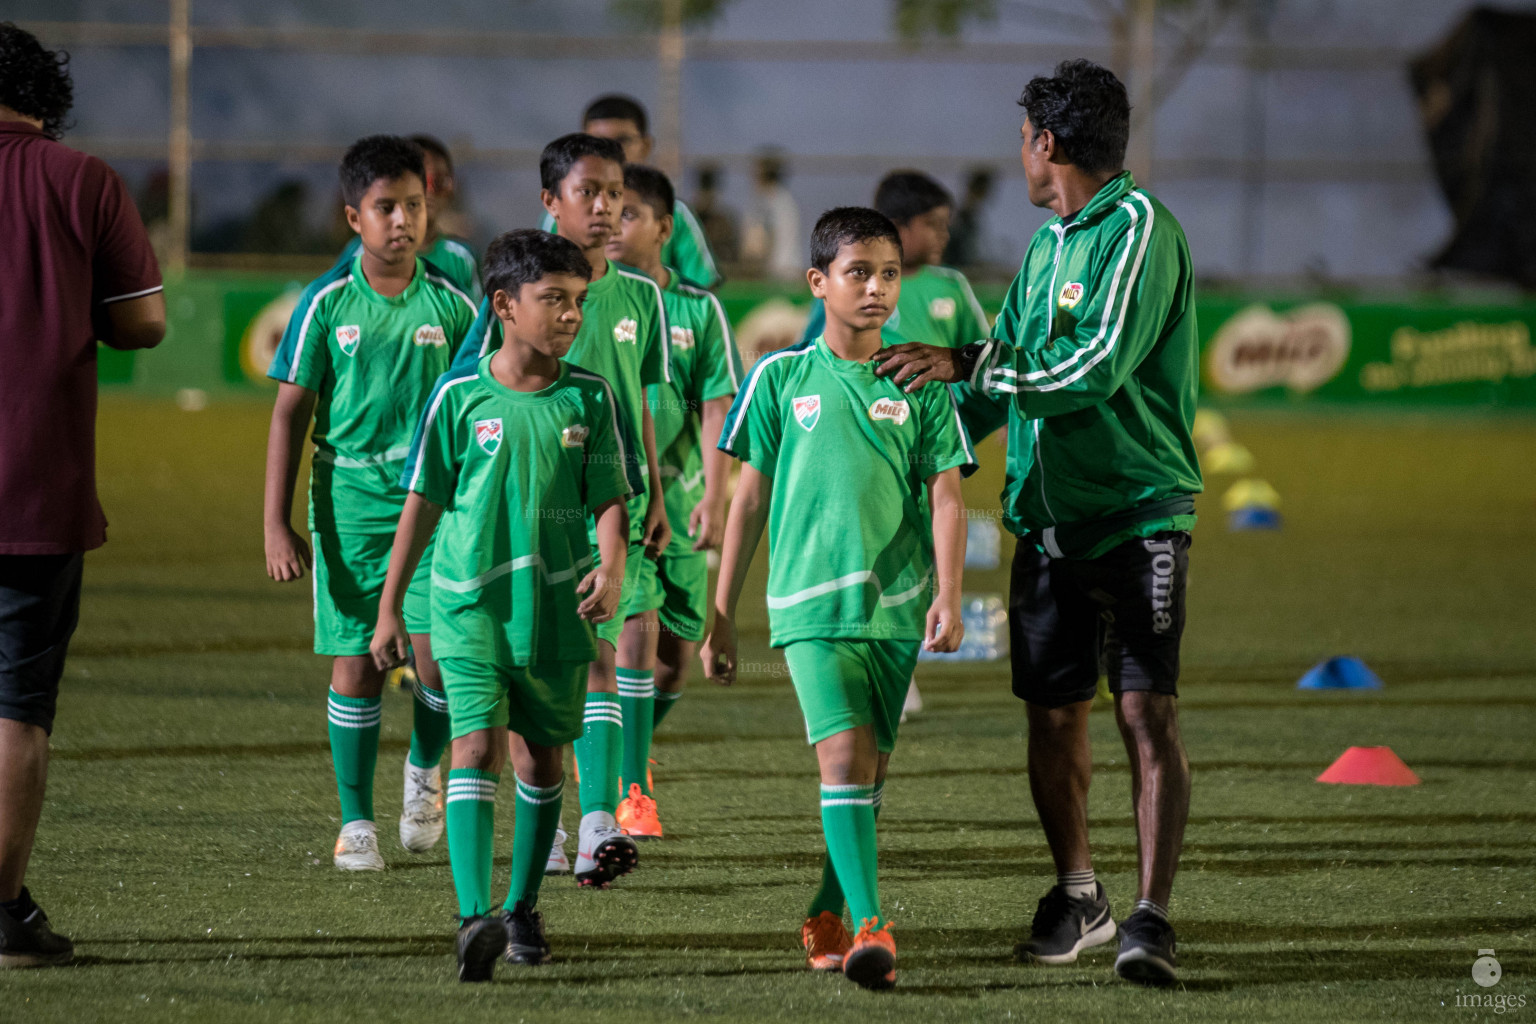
(225, 326)
(1418, 353)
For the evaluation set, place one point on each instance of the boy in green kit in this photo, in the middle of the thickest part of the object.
(512, 458)
(666, 619)
(362, 351)
(624, 339)
(836, 464)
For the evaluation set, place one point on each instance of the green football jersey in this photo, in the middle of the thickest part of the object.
(687, 249)
(372, 361)
(936, 307)
(849, 535)
(705, 366)
(517, 474)
(623, 338)
(453, 257)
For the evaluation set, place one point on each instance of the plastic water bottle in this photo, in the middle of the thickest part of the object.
(983, 541)
(986, 630)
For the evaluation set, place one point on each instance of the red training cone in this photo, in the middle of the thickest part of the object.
(1369, 766)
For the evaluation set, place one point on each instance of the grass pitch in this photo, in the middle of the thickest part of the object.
(186, 841)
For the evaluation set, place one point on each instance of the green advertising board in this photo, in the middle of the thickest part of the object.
(1255, 350)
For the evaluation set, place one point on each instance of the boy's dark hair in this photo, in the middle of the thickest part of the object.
(526, 255)
(561, 155)
(651, 186)
(378, 158)
(902, 195)
(432, 144)
(34, 81)
(615, 106)
(849, 225)
(1085, 106)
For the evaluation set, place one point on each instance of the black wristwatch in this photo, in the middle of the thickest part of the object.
(966, 356)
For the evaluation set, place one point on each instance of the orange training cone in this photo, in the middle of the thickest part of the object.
(1369, 766)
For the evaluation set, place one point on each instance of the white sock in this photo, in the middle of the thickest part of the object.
(1152, 907)
(1078, 884)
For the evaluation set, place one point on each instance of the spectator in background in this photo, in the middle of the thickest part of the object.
(717, 220)
(75, 266)
(964, 249)
(771, 240)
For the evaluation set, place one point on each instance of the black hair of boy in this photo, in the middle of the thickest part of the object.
(527, 255)
(561, 155)
(616, 106)
(902, 195)
(652, 187)
(379, 158)
(1086, 108)
(849, 225)
(34, 80)
(432, 144)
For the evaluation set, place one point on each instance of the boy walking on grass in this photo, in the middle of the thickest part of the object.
(836, 465)
(513, 458)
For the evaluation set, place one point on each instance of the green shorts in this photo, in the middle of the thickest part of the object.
(843, 684)
(349, 577)
(678, 587)
(628, 597)
(544, 704)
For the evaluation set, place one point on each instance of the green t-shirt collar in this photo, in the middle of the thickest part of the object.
(361, 281)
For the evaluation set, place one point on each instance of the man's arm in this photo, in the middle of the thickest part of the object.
(135, 323)
(418, 519)
(287, 553)
(743, 531)
(945, 628)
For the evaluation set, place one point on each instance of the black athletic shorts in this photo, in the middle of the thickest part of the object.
(1122, 612)
(39, 608)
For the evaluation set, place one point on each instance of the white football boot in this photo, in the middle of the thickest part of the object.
(558, 863)
(357, 848)
(422, 818)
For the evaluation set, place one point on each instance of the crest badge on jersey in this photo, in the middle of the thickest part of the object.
(682, 337)
(1071, 295)
(626, 331)
(574, 436)
(488, 434)
(895, 410)
(347, 337)
(431, 334)
(942, 308)
(807, 410)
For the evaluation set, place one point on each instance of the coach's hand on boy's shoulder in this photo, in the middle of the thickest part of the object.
(287, 554)
(914, 364)
(602, 592)
(391, 646)
(719, 652)
(946, 627)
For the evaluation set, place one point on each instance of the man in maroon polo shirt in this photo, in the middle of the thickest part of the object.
(75, 266)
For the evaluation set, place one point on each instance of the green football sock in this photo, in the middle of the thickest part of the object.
(472, 837)
(830, 896)
(637, 700)
(354, 729)
(538, 815)
(848, 819)
(429, 728)
(665, 702)
(598, 752)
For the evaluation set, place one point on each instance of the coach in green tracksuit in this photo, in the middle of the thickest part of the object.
(1095, 361)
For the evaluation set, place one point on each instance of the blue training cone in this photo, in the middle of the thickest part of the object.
(1253, 517)
(1342, 673)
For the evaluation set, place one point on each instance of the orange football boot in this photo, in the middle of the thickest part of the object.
(636, 815)
(871, 963)
(825, 941)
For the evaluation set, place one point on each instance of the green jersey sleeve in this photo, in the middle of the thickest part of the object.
(655, 339)
(719, 369)
(610, 469)
(970, 319)
(432, 468)
(1138, 279)
(303, 354)
(688, 249)
(943, 443)
(753, 430)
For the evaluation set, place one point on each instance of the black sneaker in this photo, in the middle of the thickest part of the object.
(29, 941)
(1065, 926)
(481, 940)
(1147, 950)
(525, 937)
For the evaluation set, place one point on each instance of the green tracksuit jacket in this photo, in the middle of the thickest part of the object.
(1097, 356)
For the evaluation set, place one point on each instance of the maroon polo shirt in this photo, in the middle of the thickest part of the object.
(71, 242)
